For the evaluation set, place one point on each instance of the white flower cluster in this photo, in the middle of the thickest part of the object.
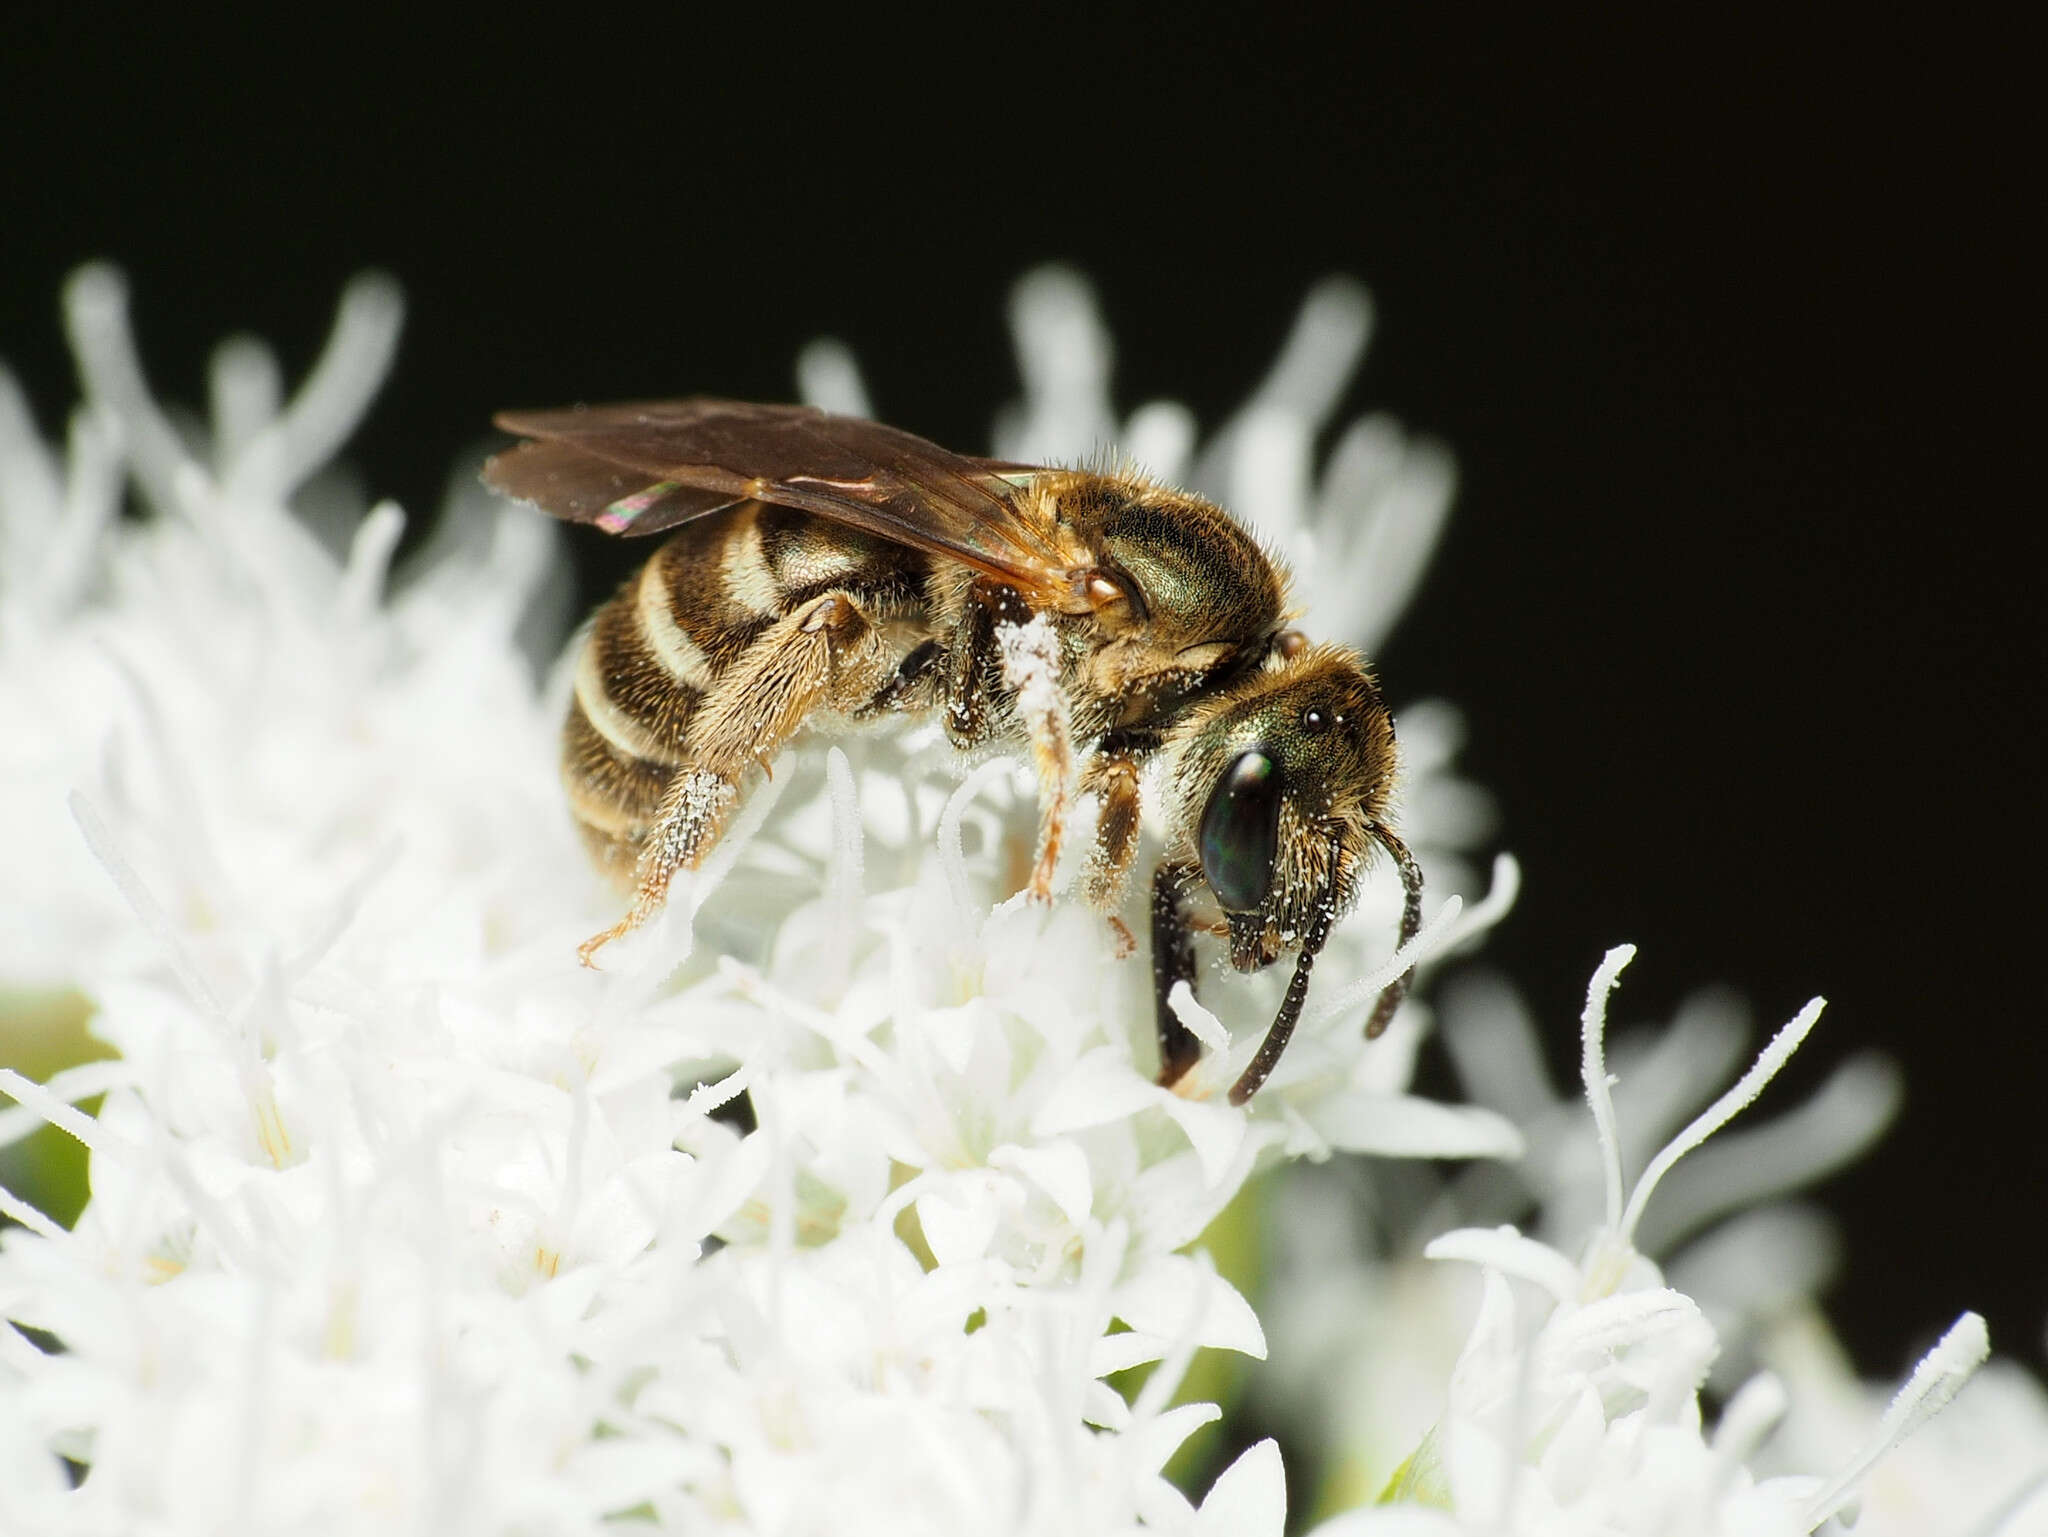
(833, 1205)
(1587, 1419)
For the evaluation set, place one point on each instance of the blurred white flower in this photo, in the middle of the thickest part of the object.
(1573, 1406)
(1980, 1468)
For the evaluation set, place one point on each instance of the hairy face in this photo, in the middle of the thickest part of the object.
(1277, 792)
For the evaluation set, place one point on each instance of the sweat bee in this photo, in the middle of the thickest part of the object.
(830, 569)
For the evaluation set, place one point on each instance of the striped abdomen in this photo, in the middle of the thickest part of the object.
(678, 627)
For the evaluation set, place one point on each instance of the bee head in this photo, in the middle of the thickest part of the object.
(1280, 792)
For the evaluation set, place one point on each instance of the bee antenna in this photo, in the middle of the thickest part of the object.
(1297, 989)
(1411, 921)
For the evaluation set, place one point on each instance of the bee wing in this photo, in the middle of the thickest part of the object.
(643, 467)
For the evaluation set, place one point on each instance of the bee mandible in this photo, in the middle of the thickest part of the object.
(828, 569)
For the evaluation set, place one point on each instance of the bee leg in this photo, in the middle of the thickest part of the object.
(1031, 670)
(1053, 755)
(974, 675)
(827, 653)
(1173, 960)
(691, 816)
(914, 683)
(998, 677)
(1112, 773)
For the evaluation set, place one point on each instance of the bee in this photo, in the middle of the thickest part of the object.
(825, 570)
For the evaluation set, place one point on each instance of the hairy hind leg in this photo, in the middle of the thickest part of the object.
(687, 823)
(826, 653)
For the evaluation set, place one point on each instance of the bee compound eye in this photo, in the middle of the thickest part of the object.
(1241, 831)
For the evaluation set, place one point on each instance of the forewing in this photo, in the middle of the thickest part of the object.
(643, 467)
(569, 481)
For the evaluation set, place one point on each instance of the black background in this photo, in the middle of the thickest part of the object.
(1743, 590)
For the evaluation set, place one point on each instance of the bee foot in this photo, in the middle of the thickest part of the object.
(587, 951)
(1126, 941)
(1042, 873)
